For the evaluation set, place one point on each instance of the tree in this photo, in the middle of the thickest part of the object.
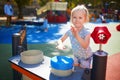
(43, 2)
(21, 4)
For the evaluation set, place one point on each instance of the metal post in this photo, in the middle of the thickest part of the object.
(15, 44)
(98, 71)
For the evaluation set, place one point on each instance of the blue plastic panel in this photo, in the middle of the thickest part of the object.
(62, 62)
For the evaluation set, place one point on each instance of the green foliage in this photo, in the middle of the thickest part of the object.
(71, 3)
(43, 2)
(20, 5)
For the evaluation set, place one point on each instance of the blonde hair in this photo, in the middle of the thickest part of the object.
(79, 8)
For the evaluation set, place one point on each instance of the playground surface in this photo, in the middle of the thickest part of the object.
(46, 41)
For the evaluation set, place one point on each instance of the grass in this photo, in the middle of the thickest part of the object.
(5, 54)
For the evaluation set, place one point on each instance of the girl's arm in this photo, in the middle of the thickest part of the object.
(83, 42)
(60, 42)
(63, 38)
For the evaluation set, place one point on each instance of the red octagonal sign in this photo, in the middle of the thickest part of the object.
(101, 35)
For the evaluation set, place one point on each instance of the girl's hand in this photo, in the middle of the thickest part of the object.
(74, 31)
(60, 45)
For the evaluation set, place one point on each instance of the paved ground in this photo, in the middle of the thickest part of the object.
(14, 18)
(3, 19)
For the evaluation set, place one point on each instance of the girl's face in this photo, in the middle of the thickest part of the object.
(78, 18)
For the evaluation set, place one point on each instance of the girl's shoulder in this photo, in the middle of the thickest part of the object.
(84, 32)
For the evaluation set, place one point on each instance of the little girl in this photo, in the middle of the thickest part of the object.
(79, 37)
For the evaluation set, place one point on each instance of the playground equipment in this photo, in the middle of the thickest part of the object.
(19, 44)
(54, 6)
(118, 27)
(19, 41)
(61, 66)
(56, 12)
(100, 36)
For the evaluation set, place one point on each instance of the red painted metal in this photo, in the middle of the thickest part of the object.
(101, 35)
